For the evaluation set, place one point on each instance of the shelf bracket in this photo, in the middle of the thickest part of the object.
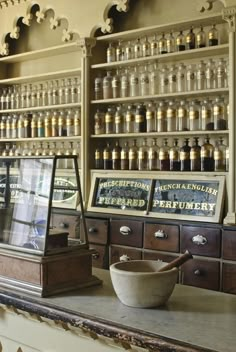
(228, 14)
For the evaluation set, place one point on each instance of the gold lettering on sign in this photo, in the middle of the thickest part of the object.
(139, 203)
(184, 205)
(125, 183)
(190, 186)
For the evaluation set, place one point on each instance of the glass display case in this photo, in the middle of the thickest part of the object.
(29, 187)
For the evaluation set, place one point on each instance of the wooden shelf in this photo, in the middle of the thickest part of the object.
(172, 57)
(179, 95)
(42, 108)
(39, 139)
(157, 172)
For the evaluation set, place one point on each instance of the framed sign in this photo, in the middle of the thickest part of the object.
(197, 198)
(116, 194)
(188, 198)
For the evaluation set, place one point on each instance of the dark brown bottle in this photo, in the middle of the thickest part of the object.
(140, 119)
(180, 45)
(207, 156)
(185, 156)
(164, 156)
(174, 157)
(213, 36)
(220, 155)
(98, 159)
(190, 40)
(116, 156)
(195, 156)
(124, 155)
(107, 157)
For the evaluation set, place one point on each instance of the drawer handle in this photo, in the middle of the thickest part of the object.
(199, 240)
(125, 230)
(92, 230)
(197, 272)
(95, 255)
(124, 258)
(63, 225)
(160, 234)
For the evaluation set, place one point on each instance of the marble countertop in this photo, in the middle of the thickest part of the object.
(193, 319)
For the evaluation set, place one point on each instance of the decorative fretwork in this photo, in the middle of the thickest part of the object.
(229, 16)
(207, 5)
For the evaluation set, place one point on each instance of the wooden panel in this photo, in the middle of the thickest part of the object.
(97, 230)
(117, 252)
(229, 278)
(201, 273)
(132, 232)
(148, 255)
(100, 258)
(161, 237)
(229, 245)
(201, 240)
(66, 222)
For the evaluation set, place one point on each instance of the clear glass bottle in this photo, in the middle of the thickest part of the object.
(227, 159)
(210, 74)
(194, 116)
(27, 129)
(48, 124)
(134, 82)
(125, 84)
(69, 163)
(151, 118)
(206, 115)
(153, 156)
(201, 75)
(154, 46)
(164, 157)
(69, 124)
(55, 88)
(20, 127)
(207, 156)
(220, 73)
(61, 124)
(107, 86)
(111, 53)
(109, 121)
(55, 124)
(17, 97)
(161, 117)
(154, 79)
(40, 125)
(99, 122)
(181, 78)
(8, 126)
(98, 89)
(220, 155)
(195, 156)
(175, 156)
(13, 98)
(144, 81)
(172, 79)
(201, 38)
(33, 97)
(185, 156)
(124, 155)
(170, 43)
(98, 159)
(50, 93)
(129, 120)
(14, 126)
(143, 156)
(116, 157)
(133, 156)
(137, 49)
(162, 45)
(220, 122)
(146, 47)
(180, 42)
(190, 40)
(77, 123)
(3, 99)
(116, 85)
(163, 80)
(129, 51)
(182, 118)
(171, 117)
(119, 120)
(190, 78)
(140, 119)
(107, 157)
(61, 90)
(213, 36)
(119, 50)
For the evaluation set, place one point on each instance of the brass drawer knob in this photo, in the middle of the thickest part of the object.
(199, 240)
(160, 234)
(125, 230)
(197, 272)
(95, 255)
(63, 225)
(92, 230)
(124, 258)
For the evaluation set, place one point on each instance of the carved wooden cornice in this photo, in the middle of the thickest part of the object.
(229, 16)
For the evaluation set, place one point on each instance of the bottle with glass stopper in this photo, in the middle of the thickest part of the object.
(175, 156)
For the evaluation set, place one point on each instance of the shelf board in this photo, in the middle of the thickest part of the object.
(42, 108)
(157, 172)
(203, 20)
(41, 77)
(176, 56)
(40, 139)
(42, 53)
(196, 93)
(160, 134)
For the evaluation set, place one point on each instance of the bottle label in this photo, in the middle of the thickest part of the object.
(218, 155)
(184, 155)
(194, 154)
(139, 118)
(160, 115)
(163, 155)
(132, 155)
(124, 155)
(171, 113)
(182, 112)
(174, 155)
(206, 114)
(193, 115)
(150, 115)
(108, 118)
(205, 153)
(129, 117)
(217, 110)
(106, 155)
(115, 155)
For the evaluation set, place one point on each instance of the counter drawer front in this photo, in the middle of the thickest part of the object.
(97, 230)
(201, 273)
(229, 245)
(201, 240)
(126, 232)
(117, 252)
(68, 223)
(100, 258)
(161, 237)
(229, 278)
(152, 255)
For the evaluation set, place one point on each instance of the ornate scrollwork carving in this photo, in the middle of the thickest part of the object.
(86, 45)
(229, 16)
(207, 5)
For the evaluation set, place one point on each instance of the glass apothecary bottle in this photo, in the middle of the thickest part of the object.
(107, 86)
(171, 117)
(20, 127)
(194, 115)
(70, 128)
(195, 156)
(161, 117)
(206, 115)
(137, 49)
(163, 80)
(107, 157)
(190, 77)
(182, 118)
(119, 51)
(48, 124)
(172, 79)
(153, 156)
(220, 155)
(175, 156)
(151, 118)
(133, 156)
(109, 121)
(55, 123)
(98, 159)
(207, 156)
(98, 89)
(164, 157)
(124, 156)
(219, 114)
(210, 74)
(116, 157)
(99, 122)
(162, 44)
(201, 76)
(125, 84)
(220, 73)
(116, 85)
(154, 80)
(180, 42)
(181, 78)
(213, 36)
(61, 124)
(154, 46)
(185, 156)
(190, 40)
(129, 51)
(14, 125)
(119, 120)
(134, 82)
(170, 43)
(201, 38)
(144, 81)
(111, 53)
(146, 47)
(140, 119)
(129, 124)
(143, 156)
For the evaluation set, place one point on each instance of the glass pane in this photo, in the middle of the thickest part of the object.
(24, 203)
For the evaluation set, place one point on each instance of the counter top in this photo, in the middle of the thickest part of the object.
(193, 320)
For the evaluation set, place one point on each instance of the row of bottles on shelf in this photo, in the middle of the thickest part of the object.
(55, 92)
(39, 148)
(163, 116)
(52, 123)
(164, 44)
(207, 157)
(150, 80)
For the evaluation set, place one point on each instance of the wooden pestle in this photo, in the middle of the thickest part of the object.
(177, 262)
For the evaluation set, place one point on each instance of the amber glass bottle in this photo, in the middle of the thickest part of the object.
(185, 156)
(195, 156)
(133, 156)
(164, 156)
(116, 156)
(207, 157)
(124, 156)
(107, 157)
(175, 157)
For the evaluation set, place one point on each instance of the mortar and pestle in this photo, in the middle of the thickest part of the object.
(146, 283)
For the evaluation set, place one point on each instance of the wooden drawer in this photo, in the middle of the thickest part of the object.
(97, 230)
(201, 240)
(201, 273)
(117, 252)
(152, 255)
(100, 259)
(229, 245)
(161, 237)
(126, 232)
(229, 278)
(68, 223)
